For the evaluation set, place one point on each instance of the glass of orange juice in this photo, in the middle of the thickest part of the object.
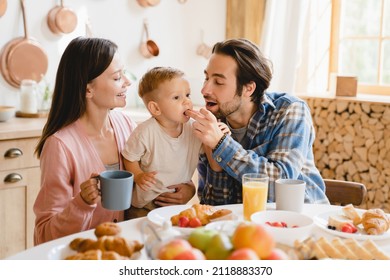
(254, 193)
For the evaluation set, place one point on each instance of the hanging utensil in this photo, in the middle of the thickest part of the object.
(61, 19)
(23, 58)
(203, 49)
(3, 7)
(148, 48)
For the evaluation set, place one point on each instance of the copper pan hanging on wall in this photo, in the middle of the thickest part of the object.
(61, 19)
(148, 48)
(3, 7)
(23, 58)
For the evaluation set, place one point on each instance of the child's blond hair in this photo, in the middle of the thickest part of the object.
(151, 80)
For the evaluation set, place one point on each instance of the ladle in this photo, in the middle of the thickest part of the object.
(148, 48)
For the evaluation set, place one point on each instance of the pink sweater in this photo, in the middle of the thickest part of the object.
(68, 158)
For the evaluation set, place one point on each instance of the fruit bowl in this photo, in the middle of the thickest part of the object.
(285, 226)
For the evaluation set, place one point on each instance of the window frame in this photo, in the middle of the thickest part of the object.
(334, 51)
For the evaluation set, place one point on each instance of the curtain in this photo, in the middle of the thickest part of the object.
(282, 40)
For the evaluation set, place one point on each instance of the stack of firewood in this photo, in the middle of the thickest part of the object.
(353, 143)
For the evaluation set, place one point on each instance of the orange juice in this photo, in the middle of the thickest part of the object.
(254, 197)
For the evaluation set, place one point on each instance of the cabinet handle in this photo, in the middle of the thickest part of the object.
(13, 178)
(13, 153)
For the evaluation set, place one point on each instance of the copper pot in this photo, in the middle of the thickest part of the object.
(61, 19)
(23, 58)
(148, 48)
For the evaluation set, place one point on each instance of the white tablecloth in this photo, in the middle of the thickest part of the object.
(132, 230)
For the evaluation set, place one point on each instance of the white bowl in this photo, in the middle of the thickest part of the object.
(6, 112)
(299, 226)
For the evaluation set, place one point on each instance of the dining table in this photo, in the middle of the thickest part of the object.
(134, 229)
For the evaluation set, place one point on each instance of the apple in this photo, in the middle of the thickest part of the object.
(219, 247)
(192, 254)
(173, 248)
(243, 254)
(253, 236)
(277, 254)
(200, 238)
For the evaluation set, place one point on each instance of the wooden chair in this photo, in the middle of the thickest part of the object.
(345, 192)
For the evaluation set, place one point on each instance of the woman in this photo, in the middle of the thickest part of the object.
(82, 137)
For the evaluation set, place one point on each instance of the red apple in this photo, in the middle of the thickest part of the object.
(173, 248)
(193, 254)
(243, 254)
(277, 254)
(253, 236)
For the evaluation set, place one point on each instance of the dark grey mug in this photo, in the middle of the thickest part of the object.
(116, 188)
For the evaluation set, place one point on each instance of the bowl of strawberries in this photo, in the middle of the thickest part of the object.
(285, 226)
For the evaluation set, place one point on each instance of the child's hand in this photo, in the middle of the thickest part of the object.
(145, 180)
(224, 128)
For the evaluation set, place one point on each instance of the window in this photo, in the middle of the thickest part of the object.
(360, 43)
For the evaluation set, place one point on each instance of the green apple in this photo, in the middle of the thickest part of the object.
(219, 247)
(200, 238)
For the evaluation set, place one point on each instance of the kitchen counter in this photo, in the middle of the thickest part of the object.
(32, 127)
(21, 128)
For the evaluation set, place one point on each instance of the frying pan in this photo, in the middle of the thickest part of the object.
(61, 19)
(23, 58)
(51, 20)
(3, 60)
(3, 7)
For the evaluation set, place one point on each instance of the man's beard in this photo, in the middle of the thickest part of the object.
(228, 108)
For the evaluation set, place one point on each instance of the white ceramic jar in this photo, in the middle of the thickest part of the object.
(28, 97)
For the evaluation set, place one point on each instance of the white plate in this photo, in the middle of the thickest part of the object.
(159, 215)
(321, 221)
(60, 252)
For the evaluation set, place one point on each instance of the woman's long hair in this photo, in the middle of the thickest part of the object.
(83, 60)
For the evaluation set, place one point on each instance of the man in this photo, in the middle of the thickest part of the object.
(271, 133)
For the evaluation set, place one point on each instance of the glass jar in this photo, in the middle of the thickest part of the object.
(28, 97)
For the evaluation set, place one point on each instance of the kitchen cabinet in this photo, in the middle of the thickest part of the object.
(20, 183)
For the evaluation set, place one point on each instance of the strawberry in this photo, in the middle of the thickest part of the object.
(349, 228)
(195, 222)
(277, 224)
(183, 221)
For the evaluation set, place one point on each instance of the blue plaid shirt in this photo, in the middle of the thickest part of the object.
(278, 142)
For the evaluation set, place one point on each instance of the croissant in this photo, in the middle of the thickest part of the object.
(96, 255)
(375, 221)
(205, 213)
(120, 245)
(107, 228)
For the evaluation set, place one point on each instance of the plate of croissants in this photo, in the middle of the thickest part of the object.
(108, 245)
(186, 218)
(360, 224)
